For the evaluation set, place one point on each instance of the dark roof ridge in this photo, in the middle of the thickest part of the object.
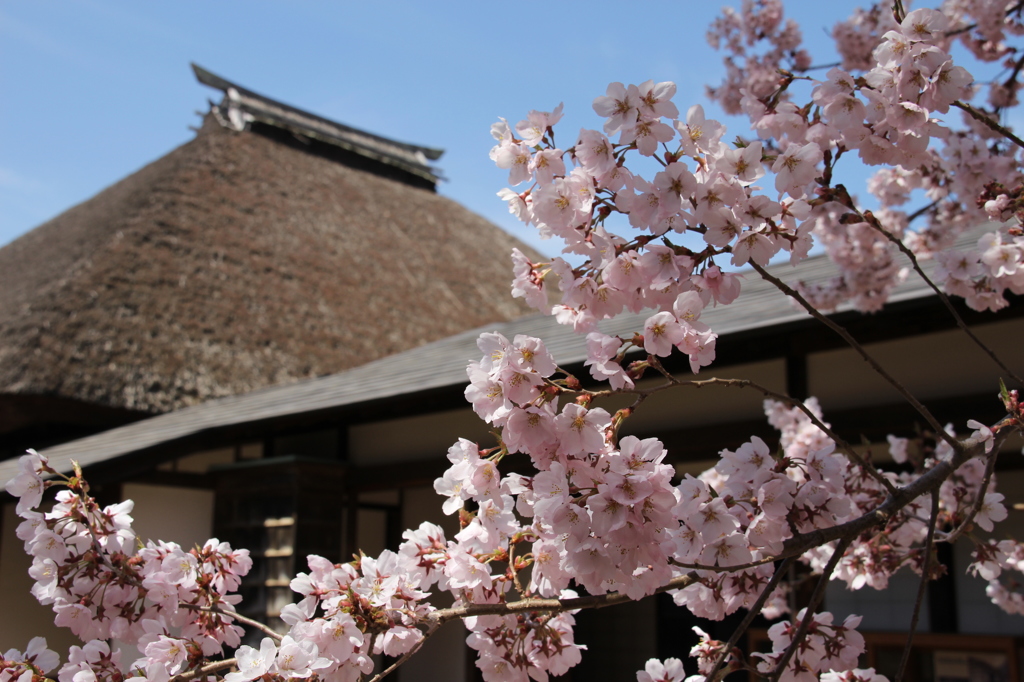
(254, 106)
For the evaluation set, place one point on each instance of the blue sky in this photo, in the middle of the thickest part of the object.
(92, 90)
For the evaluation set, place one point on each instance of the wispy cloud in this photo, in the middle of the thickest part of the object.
(37, 39)
(134, 21)
(11, 180)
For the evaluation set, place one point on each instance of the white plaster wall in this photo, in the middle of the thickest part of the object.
(443, 657)
(932, 366)
(411, 438)
(21, 616)
(173, 514)
(682, 407)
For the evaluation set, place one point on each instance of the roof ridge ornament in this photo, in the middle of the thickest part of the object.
(241, 107)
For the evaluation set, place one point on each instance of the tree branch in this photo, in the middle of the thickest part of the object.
(925, 577)
(980, 116)
(855, 345)
(205, 670)
(540, 604)
(752, 613)
(816, 597)
(871, 220)
(406, 656)
(926, 483)
(236, 616)
(845, 447)
(672, 382)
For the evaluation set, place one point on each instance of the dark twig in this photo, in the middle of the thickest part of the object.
(982, 118)
(926, 568)
(871, 220)
(818, 67)
(1012, 78)
(971, 27)
(205, 670)
(855, 345)
(405, 657)
(979, 501)
(238, 617)
(841, 444)
(921, 211)
(540, 604)
(898, 12)
(752, 613)
(724, 569)
(816, 597)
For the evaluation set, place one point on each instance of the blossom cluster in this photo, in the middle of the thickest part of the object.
(597, 511)
(521, 647)
(887, 102)
(826, 648)
(86, 564)
(891, 115)
(601, 513)
(31, 666)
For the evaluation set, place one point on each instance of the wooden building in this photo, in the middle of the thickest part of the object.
(275, 246)
(346, 461)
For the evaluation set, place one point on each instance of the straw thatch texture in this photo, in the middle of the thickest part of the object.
(237, 262)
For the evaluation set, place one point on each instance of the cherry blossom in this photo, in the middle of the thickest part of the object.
(585, 506)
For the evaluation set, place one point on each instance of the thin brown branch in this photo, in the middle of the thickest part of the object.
(405, 657)
(795, 546)
(873, 222)
(216, 666)
(818, 67)
(926, 568)
(982, 118)
(855, 345)
(841, 444)
(979, 500)
(898, 12)
(921, 211)
(725, 569)
(752, 613)
(816, 597)
(238, 617)
(971, 27)
(541, 604)
(1012, 78)
(926, 483)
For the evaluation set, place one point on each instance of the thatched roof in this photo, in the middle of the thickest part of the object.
(237, 261)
